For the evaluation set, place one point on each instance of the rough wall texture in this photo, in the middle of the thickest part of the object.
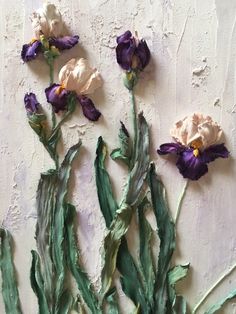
(193, 45)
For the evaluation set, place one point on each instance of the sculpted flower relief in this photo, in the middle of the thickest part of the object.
(79, 77)
(197, 144)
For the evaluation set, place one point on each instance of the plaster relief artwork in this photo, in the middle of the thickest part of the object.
(117, 144)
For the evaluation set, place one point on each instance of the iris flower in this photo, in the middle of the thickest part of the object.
(48, 28)
(132, 53)
(197, 144)
(75, 76)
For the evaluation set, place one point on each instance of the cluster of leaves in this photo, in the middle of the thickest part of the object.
(151, 287)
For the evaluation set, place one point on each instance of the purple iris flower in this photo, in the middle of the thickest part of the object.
(57, 96)
(88, 108)
(66, 42)
(131, 53)
(191, 162)
(31, 103)
(31, 50)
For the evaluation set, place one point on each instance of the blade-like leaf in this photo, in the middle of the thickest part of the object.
(145, 253)
(123, 152)
(58, 229)
(139, 171)
(37, 284)
(216, 307)
(131, 281)
(176, 302)
(106, 199)
(177, 273)
(9, 284)
(72, 258)
(166, 233)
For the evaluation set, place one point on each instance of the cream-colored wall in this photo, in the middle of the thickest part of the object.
(185, 37)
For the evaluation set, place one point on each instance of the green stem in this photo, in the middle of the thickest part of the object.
(180, 201)
(134, 117)
(209, 291)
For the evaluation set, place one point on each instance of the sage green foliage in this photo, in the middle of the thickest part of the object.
(9, 284)
(50, 238)
(216, 307)
(123, 153)
(106, 199)
(72, 260)
(121, 221)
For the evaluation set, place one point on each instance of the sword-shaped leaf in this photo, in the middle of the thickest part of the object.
(9, 284)
(106, 199)
(166, 233)
(216, 307)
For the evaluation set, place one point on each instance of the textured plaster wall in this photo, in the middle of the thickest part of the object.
(193, 45)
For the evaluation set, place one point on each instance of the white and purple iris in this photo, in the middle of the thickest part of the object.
(132, 53)
(48, 28)
(197, 144)
(76, 76)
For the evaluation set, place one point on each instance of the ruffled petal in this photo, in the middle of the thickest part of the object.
(143, 53)
(57, 96)
(30, 51)
(66, 42)
(124, 37)
(215, 151)
(191, 167)
(170, 148)
(125, 52)
(89, 109)
(31, 103)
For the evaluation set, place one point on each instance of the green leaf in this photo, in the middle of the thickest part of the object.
(106, 199)
(177, 273)
(131, 281)
(9, 284)
(145, 253)
(113, 307)
(37, 284)
(166, 233)
(123, 152)
(58, 229)
(72, 258)
(50, 230)
(216, 307)
(139, 172)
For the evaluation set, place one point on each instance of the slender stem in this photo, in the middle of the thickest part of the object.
(222, 277)
(180, 201)
(135, 126)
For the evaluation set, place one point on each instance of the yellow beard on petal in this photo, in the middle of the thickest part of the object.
(59, 89)
(196, 152)
(33, 40)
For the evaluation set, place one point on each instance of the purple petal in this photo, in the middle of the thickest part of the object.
(57, 97)
(143, 54)
(124, 37)
(66, 42)
(30, 51)
(191, 167)
(215, 151)
(170, 148)
(125, 52)
(31, 103)
(89, 109)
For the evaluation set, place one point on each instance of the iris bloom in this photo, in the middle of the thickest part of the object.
(132, 53)
(75, 76)
(48, 28)
(197, 144)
